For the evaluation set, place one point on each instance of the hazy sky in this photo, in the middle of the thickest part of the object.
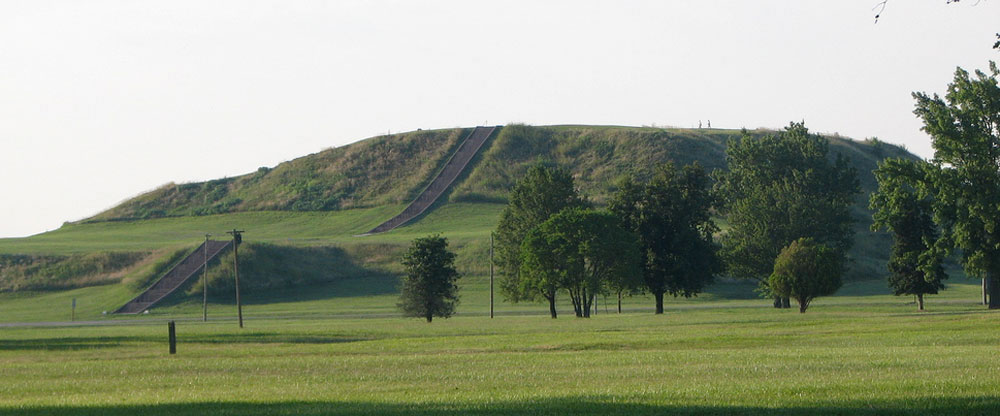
(103, 100)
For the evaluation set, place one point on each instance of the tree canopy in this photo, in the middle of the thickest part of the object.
(429, 287)
(543, 192)
(964, 127)
(778, 189)
(671, 214)
(580, 250)
(904, 206)
(806, 270)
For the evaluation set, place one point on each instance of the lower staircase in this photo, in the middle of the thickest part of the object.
(466, 151)
(175, 277)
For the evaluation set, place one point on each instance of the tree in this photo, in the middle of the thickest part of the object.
(903, 205)
(965, 133)
(806, 270)
(778, 189)
(629, 283)
(671, 215)
(543, 192)
(581, 251)
(429, 287)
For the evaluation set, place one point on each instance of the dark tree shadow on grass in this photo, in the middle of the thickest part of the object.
(84, 343)
(278, 273)
(65, 344)
(965, 406)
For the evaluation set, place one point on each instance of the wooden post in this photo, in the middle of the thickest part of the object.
(237, 238)
(172, 337)
(491, 275)
(204, 284)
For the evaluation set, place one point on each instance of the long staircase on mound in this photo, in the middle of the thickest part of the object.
(455, 166)
(174, 278)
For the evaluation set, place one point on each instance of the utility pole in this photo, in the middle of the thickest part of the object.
(237, 239)
(204, 284)
(491, 275)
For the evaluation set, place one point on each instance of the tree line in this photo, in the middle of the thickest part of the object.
(952, 201)
(786, 204)
(657, 235)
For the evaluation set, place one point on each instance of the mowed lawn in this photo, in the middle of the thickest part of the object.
(851, 355)
(459, 222)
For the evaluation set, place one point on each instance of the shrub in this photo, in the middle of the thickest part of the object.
(806, 270)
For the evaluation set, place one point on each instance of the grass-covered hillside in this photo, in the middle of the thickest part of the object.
(378, 171)
(302, 217)
(599, 156)
(393, 169)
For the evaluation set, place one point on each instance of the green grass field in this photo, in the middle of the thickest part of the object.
(340, 347)
(719, 354)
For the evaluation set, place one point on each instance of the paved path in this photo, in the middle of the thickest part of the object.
(175, 277)
(455, 166)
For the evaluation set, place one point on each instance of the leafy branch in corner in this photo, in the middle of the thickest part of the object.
(880, 7)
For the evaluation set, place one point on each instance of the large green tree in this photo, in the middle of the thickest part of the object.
(581, 251)
(780, 188)
(543, 192)
(806, 270)
(429, 287)
(671, 215)
(904, 206)
(964, 127)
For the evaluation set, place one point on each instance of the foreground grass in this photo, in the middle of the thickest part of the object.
(836, 359)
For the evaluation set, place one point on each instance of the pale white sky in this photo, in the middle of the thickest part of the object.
(102, 100)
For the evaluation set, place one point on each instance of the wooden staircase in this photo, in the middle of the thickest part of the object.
(174, 278)
(455, 166)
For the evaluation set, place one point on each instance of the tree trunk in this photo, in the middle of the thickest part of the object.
(619, 302)
(920, 301)
(577, 304)
(659, 303)
(777, 302)
(552, 306)
(994, 291)
(803, 303)
(585, 303)
(986, 291)
(785, 303)
(574, 301)
(429, 317)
